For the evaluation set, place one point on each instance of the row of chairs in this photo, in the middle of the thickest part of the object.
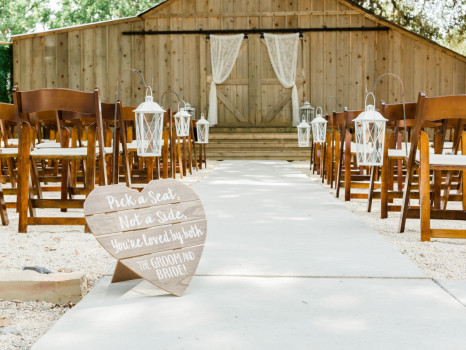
(429, 169)
(66, 136)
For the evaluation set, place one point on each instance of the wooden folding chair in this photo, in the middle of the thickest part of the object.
(353, 175)
(434, 109)
(59, 100)
(394, 155)
(8, 153)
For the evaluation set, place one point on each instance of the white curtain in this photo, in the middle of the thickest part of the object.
(224, 50)
(283, 53)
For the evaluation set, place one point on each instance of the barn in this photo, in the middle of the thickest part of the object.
(342, 49)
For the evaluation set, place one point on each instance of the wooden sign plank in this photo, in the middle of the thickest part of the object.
(158, 234)
(140, 242)
(136, 219)
(172, 271)
(157, 192)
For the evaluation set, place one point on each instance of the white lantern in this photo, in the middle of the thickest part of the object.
(191, 110)
(303, 134)
(307, 112)
(370, 135)
(182, 122)
(202, 127)
(319, 127)
(149, 127)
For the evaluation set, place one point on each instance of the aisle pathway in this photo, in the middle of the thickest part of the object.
(285, 266)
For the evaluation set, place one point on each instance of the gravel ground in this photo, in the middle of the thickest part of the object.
(67, 249)
(439, 259)
(57, 248)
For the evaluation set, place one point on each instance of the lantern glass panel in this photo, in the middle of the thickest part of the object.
(191, 110)
(370, 135)
(202, 127)
(182, 123)
(370, 138)
(303, 134)
(149, 128)
(307, 112)
(319, 128)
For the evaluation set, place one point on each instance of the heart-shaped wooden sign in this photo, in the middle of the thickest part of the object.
(157, 234)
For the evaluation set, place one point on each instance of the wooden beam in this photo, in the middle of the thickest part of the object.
(231, 107)
(273, 113)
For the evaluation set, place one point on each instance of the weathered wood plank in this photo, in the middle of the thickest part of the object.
(100, 63)
(50, 61)
(62, 61)
(88, 43)
(37, 63)
(74, 62)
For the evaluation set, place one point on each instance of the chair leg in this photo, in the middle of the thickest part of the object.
(347, 166)
(424, 189)
(23, 177)
(374, 171)
(384, 186)
(463, 179)
(3, 211)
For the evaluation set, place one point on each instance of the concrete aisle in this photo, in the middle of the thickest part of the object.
(286, 266)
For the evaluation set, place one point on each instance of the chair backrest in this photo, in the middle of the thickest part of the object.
(349, 116)
(336, 119)
(7, 112)
(443, 108)
(7, 116)
(61, 101)
(394, 112)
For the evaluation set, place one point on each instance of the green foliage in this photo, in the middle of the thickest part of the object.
(443, 21)
(6, 73)
(19, 16)
(74, 12)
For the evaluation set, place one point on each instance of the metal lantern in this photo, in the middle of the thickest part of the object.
(202, 127)
(191, 110)
(149, 127)
(182, 122)
(303, 134)
(306, 112)
(370, 135)
(319, 127)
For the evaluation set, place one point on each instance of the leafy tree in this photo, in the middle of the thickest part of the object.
(19, 16)
(443, 21)
(25, 16)
(6, 70)
(73, 12)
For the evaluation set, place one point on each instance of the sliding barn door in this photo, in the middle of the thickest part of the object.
(252, 96)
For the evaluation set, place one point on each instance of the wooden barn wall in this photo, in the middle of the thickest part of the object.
(340, 64)
(82, 59)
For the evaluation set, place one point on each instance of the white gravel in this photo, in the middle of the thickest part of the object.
(67, 249)
(57, 248)
(439, 259)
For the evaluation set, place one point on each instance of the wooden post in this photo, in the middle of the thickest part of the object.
(384, 180)
(348, 139)
(23, 177)
(424, 188)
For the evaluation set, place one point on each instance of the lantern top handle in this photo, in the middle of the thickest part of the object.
(370, 93)
(180, 102)
(166, 92)
(149, 93)
(317, 110)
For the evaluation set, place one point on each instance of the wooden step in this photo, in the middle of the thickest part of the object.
(255, 145)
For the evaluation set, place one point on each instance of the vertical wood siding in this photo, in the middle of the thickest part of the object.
(340, 64)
